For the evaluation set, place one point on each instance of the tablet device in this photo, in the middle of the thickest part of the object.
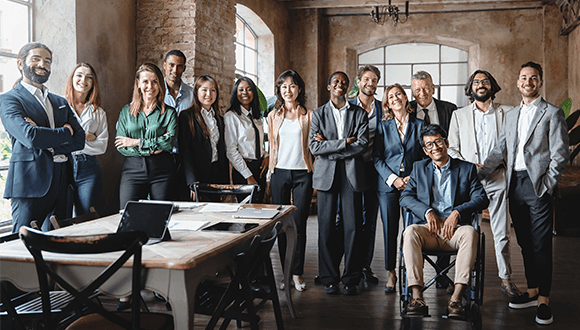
(233, 227)
(151, 217)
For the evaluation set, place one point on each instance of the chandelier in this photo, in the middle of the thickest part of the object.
(381, 14)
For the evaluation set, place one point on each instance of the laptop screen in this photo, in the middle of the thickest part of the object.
(148, 217)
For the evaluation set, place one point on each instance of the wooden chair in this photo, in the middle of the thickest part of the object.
(252, 279)
(92, 215)
(238, 190)
(95, 316)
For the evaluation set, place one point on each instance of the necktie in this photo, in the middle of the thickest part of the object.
(257, 137)
(426, 120)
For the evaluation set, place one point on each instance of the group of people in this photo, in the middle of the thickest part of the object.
(438, 163)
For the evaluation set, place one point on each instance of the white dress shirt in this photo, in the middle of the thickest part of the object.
(368, 155)
(184, 99)
(239, 136)
(527, 113)
(94, 122)
(339, 115)
(432, 110)
(214, 133)
(485, 131)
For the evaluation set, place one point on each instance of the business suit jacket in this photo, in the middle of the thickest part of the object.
(330, 150)
(195, 151)
(461, 137)
(444, 110)
(31, 164)
(545, 151)
(467, 192)
(390, 152)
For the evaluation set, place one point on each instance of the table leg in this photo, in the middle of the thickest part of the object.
(289, 227)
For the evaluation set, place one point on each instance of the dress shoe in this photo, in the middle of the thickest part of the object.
(331, 288)
(299, 283)
(390, 285)
(416, 306)
(123, 305)
(349, 290)
(455, 309)
(544, 315)
(524, 301)
(369, 276)
(317, 279)
(510, 289)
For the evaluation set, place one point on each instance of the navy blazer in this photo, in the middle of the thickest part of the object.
(31, 164)
(466, 191)
(390, 152)
(444, 110)
(195, 152)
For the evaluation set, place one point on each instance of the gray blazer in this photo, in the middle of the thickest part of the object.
(330, 150)
(546, 149)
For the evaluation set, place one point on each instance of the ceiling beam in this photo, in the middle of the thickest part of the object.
(325, 4)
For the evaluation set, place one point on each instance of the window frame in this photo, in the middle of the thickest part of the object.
(241, 69)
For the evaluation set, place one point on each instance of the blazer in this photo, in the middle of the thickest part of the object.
(275, 120)
(545, 151)
(378, 109)
(31, 164)
(466, 191)
(330, 150)
(195, 151)
(390, 152)
(444, 110)
(461, 137)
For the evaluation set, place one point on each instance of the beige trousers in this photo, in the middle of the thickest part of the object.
(416, 238)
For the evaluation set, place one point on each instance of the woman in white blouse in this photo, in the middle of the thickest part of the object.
(291, 161)
(83, 95)
(244, 135)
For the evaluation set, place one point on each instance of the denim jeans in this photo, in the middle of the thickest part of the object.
(87, 182)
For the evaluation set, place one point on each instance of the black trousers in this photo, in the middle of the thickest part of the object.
(532, 219)
(254, 166)
(332, 241)
(143, 176)
(24, 210)
(298, 185)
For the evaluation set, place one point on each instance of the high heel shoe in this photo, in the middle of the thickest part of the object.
(299, 283)
(390, 287)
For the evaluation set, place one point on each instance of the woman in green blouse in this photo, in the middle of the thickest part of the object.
(146, 131)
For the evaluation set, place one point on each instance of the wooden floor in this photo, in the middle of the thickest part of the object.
(373, 309)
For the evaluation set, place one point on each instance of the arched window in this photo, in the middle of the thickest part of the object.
(246, 50)
(447, 65)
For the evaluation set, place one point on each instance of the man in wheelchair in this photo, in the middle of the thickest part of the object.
(442, 193)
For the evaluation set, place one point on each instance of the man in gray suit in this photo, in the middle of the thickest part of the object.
(339, 136)
(534, 144)
(473, 132)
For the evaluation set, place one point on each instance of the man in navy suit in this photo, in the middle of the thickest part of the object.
(442, 193)
(43, 131)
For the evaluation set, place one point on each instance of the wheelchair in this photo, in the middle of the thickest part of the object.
(473, 294)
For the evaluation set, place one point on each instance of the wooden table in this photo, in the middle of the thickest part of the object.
(172, 268)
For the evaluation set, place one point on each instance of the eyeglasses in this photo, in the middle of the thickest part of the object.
(483, 82)
(439, 142)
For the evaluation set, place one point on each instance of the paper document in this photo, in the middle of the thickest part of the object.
(188, 205)
(220, 208)
(187, 225)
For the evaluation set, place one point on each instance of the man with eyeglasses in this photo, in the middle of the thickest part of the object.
(473, 132)
(533, 144)
(443, 193)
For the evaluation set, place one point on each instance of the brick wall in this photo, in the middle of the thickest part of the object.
(204, 30)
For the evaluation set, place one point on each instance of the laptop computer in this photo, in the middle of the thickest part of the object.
(151, 217)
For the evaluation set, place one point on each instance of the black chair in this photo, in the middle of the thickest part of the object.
(474, 291)
(84, 312)
(253, 278)
(238, 190)
(92, 215)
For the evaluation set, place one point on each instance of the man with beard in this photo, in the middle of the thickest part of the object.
(533, 144)
(338, 138)
(473, 132)
(43, 131)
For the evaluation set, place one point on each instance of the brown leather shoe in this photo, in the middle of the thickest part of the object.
(456, 309)
(511, 289)
(417, 306)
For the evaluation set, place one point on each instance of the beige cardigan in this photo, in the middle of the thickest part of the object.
(275, 119)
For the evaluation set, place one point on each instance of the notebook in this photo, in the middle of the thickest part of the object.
(151, 217)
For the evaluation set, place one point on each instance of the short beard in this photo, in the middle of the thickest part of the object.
(35, 78)
(482, 98)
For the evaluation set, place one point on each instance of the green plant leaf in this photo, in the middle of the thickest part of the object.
(353, 93)
(566, 106)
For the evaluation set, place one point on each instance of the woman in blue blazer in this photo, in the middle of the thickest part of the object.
(396, 149)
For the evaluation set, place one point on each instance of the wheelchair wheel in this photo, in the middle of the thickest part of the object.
(403, 290)
(475, 317)
(479, 298)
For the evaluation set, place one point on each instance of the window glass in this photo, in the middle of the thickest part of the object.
(399, 74)
(250, 57)
(450, 54)
(453, 73)
(246, 50)
(375, 56)
(412, 53)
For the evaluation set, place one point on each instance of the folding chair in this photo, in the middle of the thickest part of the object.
(85, 313)
(474, 291)
(92, 215)
(252, 279)
(238, 190)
